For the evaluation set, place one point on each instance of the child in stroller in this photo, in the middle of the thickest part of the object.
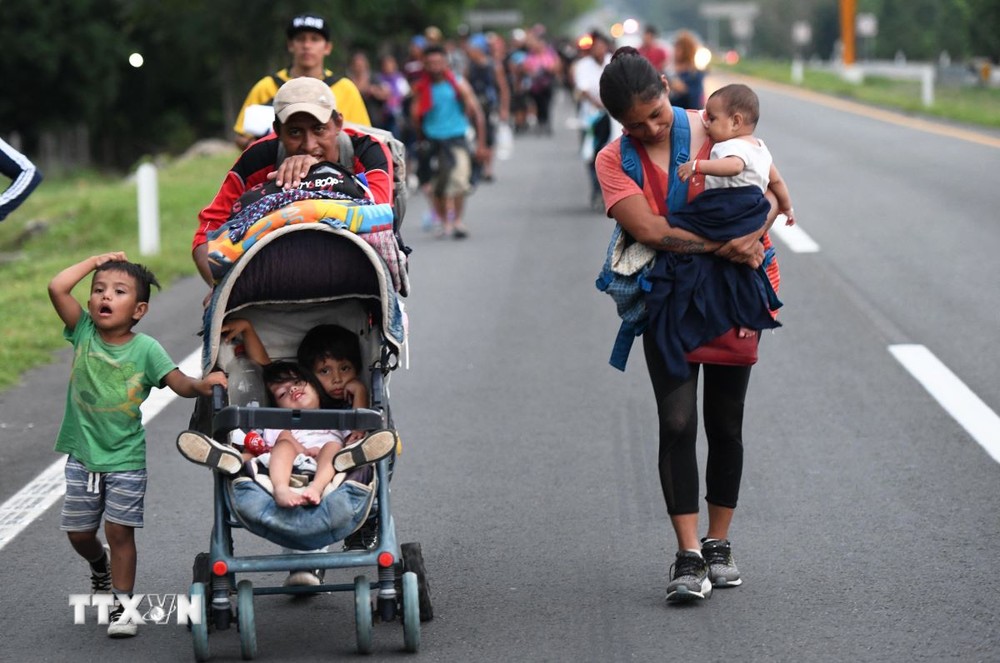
(287, 282)
(319, 452)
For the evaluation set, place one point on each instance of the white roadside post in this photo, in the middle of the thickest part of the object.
(927, 86)
(149, 210)
(801, 36)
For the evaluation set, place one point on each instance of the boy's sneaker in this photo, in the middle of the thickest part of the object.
(203, 450)
(688, 578)
(118, 627)
(100, 583)
(722, 571)
(371, 449)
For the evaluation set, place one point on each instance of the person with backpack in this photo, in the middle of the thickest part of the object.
(308, 44)
(442, 108)
(490, 85)
(308, 129)
(634, 171)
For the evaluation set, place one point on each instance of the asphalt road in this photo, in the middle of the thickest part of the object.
(868, 523)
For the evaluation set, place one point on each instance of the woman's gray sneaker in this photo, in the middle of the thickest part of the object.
(688, 578)
(722, 571)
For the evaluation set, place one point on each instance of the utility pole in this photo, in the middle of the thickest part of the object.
(848, 9)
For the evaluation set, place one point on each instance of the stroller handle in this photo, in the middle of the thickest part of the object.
(247, 418)
(218, 398)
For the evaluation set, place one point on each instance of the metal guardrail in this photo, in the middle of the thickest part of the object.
(925, 73)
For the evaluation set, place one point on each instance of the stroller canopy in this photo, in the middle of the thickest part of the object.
(304, 264)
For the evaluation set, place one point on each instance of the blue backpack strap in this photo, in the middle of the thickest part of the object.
(631, 163)
(680, 139)
(622, 346)
(680, 152)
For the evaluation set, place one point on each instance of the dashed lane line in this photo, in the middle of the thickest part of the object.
(794, 237)
(953, 395)
(29, 503)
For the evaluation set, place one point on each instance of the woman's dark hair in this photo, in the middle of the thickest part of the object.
(629, 78)
(283, 371)
(329, 341)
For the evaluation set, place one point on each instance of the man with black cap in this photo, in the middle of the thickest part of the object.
(308, 43)
(307, 126)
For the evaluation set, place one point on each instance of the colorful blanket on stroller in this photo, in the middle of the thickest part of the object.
(372, 222)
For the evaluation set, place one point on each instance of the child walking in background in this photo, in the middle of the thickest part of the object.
(113, 371)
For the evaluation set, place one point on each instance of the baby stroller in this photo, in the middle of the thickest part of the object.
(288, 281)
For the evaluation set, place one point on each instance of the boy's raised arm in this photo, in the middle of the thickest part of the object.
(62, 284)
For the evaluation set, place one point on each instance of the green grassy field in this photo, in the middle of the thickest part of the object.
(68, 219)
(968, 104)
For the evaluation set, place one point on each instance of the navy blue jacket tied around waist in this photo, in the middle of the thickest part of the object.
(696, 297)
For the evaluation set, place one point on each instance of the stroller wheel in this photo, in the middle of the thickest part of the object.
(199, 630)
(413, 560)
(363, 614)
(411, 612)
(244, 614)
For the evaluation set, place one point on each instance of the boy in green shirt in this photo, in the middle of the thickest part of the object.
(112, 374)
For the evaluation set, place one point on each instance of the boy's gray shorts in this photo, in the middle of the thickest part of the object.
(118, 496)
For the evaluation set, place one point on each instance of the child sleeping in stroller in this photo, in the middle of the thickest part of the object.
(329, 351)
(281, 451)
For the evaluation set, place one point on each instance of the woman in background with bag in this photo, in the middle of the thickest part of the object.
(655, 140)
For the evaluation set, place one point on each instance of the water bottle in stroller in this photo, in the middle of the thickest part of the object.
(246, 380)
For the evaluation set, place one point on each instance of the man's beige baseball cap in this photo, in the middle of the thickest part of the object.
(304, 95)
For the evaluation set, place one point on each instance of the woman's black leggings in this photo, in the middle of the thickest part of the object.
(677, 406)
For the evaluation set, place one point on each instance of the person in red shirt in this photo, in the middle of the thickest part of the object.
(306, 125)
(653, 50)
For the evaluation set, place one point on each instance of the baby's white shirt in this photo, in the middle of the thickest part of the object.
(757, 164)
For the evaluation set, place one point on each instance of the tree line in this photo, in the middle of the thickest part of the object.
(920, 29)
(72, 98)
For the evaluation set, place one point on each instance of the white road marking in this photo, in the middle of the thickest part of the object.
(958, 400)
(793, 237)
(25, 506)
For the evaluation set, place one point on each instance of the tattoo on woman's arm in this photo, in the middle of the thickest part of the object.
(683, 245)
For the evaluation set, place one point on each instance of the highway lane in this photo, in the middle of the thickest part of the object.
(867, 522)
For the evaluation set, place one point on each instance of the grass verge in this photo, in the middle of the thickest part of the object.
(967, 104)
(67, 219)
